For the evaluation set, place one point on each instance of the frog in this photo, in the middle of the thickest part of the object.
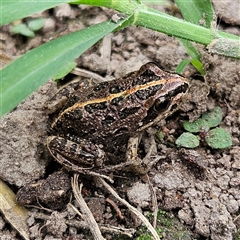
(93, 125)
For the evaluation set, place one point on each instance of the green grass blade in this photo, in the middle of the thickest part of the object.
(182, 65)
(197, 11)
(156, 20)
(198, 65)
(17, 9)
(173, 26)
(191, 50)
(23, 76)
(194, 54)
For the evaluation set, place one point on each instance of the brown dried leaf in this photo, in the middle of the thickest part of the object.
(14, 213)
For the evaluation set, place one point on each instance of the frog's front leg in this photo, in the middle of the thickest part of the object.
(132, 162)
(135, 163)
(75, 152)
(138, 165)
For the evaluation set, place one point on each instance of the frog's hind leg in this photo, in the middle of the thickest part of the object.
(68, 152)
(81, 152)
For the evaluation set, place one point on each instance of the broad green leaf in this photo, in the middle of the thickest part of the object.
(27, 73)
(208, 120)
(64, 71)
(17, 9)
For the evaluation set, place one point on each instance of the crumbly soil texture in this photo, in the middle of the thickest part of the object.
(196, 191)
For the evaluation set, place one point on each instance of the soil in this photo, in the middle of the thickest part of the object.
(197, 199)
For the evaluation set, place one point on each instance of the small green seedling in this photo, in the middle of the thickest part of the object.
(216, 138)
(27, 29)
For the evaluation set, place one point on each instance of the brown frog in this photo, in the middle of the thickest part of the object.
(95, 124)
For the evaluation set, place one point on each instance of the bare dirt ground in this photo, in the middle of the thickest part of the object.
(196, 201)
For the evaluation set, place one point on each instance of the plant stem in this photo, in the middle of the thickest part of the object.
(159, 21)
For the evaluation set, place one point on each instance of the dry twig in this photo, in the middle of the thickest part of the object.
(86, 214)
(130, 207)
(84, 225)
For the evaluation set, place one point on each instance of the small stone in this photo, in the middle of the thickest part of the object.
(139, 194)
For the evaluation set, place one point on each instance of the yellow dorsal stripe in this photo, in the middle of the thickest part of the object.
(116, 95)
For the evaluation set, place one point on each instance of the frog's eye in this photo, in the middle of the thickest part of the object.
(161, 104)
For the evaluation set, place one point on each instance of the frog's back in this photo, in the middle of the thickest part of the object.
(119, 107)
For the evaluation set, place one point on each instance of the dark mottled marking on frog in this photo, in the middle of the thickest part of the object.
(71, 102)
(100, 86)
(107, 120)
(127, 112)
(73, 138)
(145, 77)
(76, 114)
(116, 89)
(65, 92)
(58, 125)
(147, 93)
(181, 89)
(89, 96)
(116, 101)
(91, 108)
(56, 143)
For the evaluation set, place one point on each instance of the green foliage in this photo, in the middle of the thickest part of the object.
(208, 120)
(23, 76)
(216, 138)
(188, 140)
(160, 135)
(200, 13)
(195, 126)
(23, 30)
(28, 28)
(64, 71)
(167, 228)
(213, 118)
(36, 24)
(27, 73)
